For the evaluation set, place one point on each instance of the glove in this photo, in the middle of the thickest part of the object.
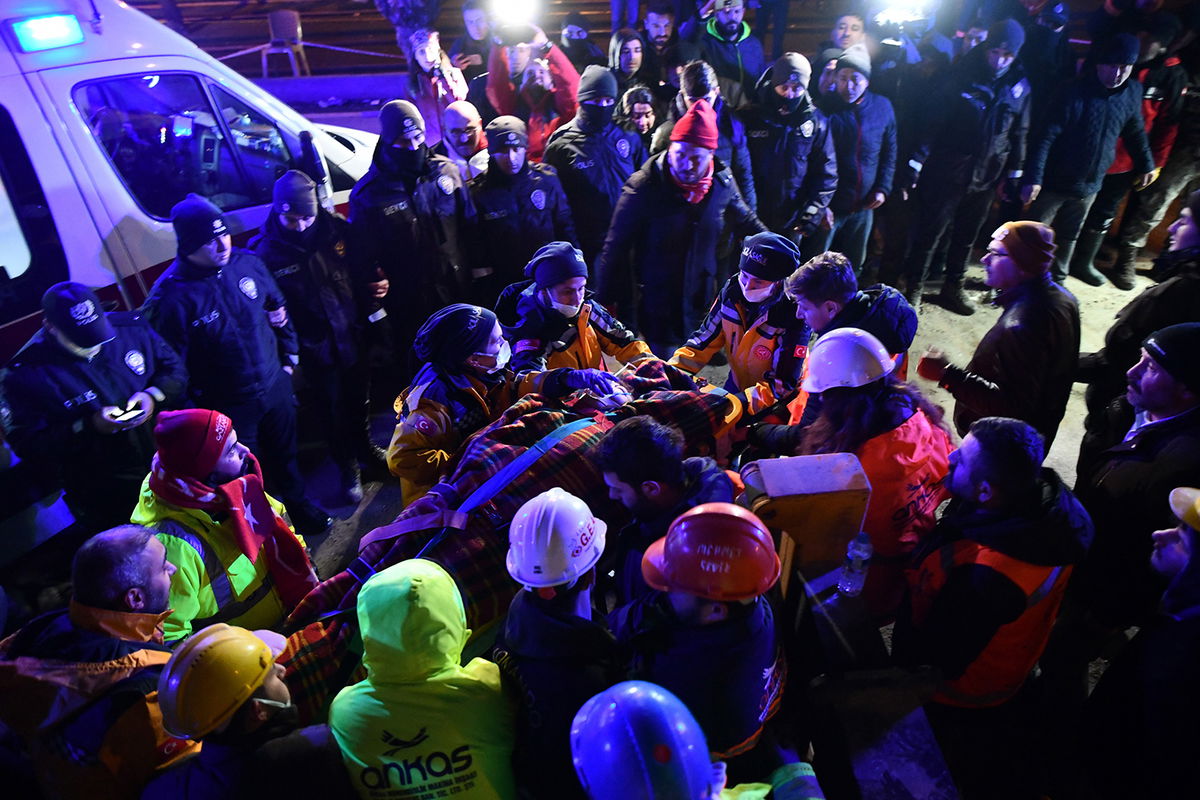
(596, 381)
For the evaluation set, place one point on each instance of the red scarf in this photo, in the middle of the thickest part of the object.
(255, 525)
(693, 192)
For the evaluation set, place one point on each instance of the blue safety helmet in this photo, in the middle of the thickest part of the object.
(637, 741)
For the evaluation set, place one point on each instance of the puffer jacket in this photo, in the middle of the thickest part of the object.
(864, 138)
(419, 719)
(739, 59)
(795, 164)
(731, 143)
(1163, 83)
(216, 320)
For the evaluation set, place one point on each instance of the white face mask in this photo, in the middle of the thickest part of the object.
(567, 311)
(501, 358)
(755, 295)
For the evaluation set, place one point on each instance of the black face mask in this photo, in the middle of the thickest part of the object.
(787, 105)
(407, 161)
(592, 118)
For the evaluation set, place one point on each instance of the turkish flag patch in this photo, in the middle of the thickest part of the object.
(801, 351)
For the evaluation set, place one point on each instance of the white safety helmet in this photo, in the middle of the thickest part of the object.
(553, 540)
(846, 357)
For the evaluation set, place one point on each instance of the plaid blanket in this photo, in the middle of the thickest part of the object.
(323, 653)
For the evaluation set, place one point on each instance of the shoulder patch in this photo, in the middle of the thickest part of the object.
(807, 127)
(623, 148)
(248, 287)
(538, 198)
(136, 361)
(446, 184)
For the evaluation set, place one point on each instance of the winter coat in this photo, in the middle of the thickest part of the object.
(410, 226)
(975, 134)
(79, 687)
(795, 165)
(433, 94)
(864, 138)
(1025, 364)
(556, 108)
(592, 168)
(419, 720)
(764, 342)
(214, 580)
(325, 293)
(1077, 145)
(731, 143)
(1125, 486)
(48, 396)
(739, 59)
(962, 626)
(554, 662)
(670, 246)
(216, 320)
(1163, 82)
(514, 215)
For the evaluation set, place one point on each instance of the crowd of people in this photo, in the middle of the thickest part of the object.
(542, 218)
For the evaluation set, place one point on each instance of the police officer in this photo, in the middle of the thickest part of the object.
(224, 314)
(77, 397)
(517, 207)
(795, 166)
(405, 215)
(306, 248)
(594, 157)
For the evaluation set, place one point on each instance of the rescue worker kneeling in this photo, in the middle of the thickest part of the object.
(464, 385)
(551, 316)
(709, 634)
(223, 687)
(756, 325)
(552, 653)
(419, 720)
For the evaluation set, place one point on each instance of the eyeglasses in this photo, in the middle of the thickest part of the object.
(464, 131)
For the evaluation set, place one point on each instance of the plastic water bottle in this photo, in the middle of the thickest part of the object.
(854, 571)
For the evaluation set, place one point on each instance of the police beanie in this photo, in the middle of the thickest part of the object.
(295, 193)
(596, 81)
(190, 442)
(1120, 49)
(506, 131)
(1007, 34)
(1176, 348)
(453, 333)
(197, 222)
(698, 126)
(554, 263)
(769, 256)
(399, 117)
(827, 55)
(856, 58)
(1030, 245)
(791, 68)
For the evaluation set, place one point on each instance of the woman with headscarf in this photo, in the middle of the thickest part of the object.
(464, 385)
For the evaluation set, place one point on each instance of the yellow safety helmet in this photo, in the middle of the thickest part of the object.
(209, 677)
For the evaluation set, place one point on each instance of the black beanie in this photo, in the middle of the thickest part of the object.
(453, 333)
(397, 117)
(554, 263)
(197, 222)
(596, 81)
(506, 131)
(827, 55)
(856, 58)
(769, 256)
(1120, 49)
(1006, 33)
(1176, 348)
(295, 193)
(791, 68)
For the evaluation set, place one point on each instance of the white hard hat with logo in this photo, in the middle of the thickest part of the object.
(553, 540)
(846, 357)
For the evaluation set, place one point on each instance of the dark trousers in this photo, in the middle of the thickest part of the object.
(339, 395)
(772, 15)
(848, 236)
(1148, 207)
(1104, 208)
(935, 210)
(1064, 213)
(267, 425)
(988, 749)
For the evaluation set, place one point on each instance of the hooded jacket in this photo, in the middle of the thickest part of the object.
(731, 143)
(554, 109)
(795, 164)
(864, 138)
(739, 59)
(420, 721)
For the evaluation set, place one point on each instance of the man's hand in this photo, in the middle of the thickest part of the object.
(1030, 192)
(143, 402)
(932, 365)
(705, 11)
(596, 381)
(379, 288)
(278, 317)
(462, 60)
(1146, 178)
(875, 201)
(827, 219)
(539, 37)
(105, 420)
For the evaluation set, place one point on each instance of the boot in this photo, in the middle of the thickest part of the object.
(1122, 272)
(308, 519)
(1085, 253)
(352, 490)
(913, 295)
(373, 460)
(954, 299)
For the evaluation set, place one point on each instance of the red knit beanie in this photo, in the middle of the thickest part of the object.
(697, 126)
(190, 442)
(1030, 245)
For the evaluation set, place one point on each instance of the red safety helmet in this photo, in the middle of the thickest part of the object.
(718, 551)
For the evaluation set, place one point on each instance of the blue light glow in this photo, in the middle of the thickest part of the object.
(46, 33)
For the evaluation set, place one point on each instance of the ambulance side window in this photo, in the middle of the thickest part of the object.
(259, 143)
(31, 254)
(164, 139)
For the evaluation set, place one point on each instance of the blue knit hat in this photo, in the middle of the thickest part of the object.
(769, 256)
(554, 263)
(453, 333)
